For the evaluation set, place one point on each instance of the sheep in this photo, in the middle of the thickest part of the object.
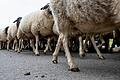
(12, 30)
(81, 46)
(47, 46)
(54, 36)
(85, 16)
(21, 37)
(37, 23)
(12, 34)
(3, 35)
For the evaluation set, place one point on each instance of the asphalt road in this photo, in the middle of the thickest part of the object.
(27, 66)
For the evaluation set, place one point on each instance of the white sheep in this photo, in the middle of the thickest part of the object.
(37, 23)
(12, 34)
(3, 36)
(12, 31)
(21, 37)
(85, 16)
(82, 46)
(54, 36)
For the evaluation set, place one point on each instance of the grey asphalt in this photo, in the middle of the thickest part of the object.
(27, 66)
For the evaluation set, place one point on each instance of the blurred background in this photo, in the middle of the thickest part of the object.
(11, 9)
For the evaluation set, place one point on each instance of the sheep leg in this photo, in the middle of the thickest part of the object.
(48, 46)
(56, 52)
(13, 47)
(0, 45)
(26, 46)
(97, 50)
(85, 44)
(102, 40)
(8, 44)
(70, 60)
(16, 45)
(3, 46)
(19, 46)
(37, 42)
(32, 45)
(22, 45)
(81, 51)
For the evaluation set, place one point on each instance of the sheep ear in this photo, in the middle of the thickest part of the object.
(49, 11)
(6, 29)
(15, 21)
(18, 19)
(45, 7)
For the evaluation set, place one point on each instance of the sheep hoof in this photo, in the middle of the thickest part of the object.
(55, 61)
(82, 55)
(74, 69)
(51, 50)
(37, 54)
(18, 51)
(86, 50)
(44, 52)
(101, 57)
(15, 50)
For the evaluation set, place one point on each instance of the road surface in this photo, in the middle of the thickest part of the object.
(27, 66)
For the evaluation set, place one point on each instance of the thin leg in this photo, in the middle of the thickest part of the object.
(16, 45)
(85, 44)
(47, 45)
(22, 44)
(0, 45)
(8, 44)
(56, 52)
(81, 51)
(37, 42)
(13, 47)
(19, 45)
(97, 50)
(32, 44)
(70, 60)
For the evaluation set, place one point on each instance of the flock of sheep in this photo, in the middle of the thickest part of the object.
(64, 18)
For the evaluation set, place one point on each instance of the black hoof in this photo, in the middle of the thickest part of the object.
(37, 54)
(18, 52)
(74, 69)
(55, 61)
(51, 50)
(102, 58)
(83, 55)
(86, 50)
(45, 53)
